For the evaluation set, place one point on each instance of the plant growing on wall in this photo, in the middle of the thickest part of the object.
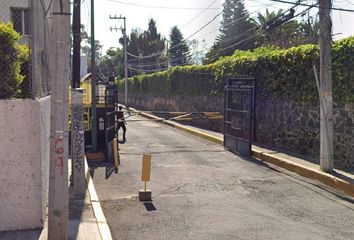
(281, 73)
(12, 55)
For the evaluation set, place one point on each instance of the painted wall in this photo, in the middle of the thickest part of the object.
(24, 161)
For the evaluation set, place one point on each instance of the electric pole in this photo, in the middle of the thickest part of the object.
(76, 43)
(93, 80)
(58, 201)
(326, 113)
(124, 30)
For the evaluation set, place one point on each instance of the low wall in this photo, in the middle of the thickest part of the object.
(24, 161)
(181, 104)
(291, 126)
(295, 126)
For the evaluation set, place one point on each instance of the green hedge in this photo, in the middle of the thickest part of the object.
(285, 74)
(12, 56)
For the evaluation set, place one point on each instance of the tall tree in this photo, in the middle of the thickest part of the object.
(237, 31)
(148, 50)
(236, 27)
(86, 44)
(179, 51)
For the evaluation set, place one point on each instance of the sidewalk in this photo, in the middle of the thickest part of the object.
(83, 224)
(339, 180)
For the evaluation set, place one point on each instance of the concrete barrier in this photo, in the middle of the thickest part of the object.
(24, 163)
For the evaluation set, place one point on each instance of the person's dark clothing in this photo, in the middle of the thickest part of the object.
(121, 123)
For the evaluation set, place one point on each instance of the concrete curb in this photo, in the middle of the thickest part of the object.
(323, 177)
(103, 227)
(305, 171)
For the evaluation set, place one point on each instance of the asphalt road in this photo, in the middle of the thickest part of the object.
(201, 191)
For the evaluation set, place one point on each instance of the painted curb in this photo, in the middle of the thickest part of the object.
(103, 227)
(304, 171)
(318, 175)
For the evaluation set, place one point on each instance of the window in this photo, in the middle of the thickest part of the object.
(21, 20)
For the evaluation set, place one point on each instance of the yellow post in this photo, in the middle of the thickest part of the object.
(145, 195)
(115, 153)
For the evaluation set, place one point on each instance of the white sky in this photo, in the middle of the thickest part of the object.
(171, 13)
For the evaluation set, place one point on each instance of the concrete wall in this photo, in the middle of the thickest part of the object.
(24, 161)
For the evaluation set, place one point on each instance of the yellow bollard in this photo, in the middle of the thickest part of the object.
(145, 195)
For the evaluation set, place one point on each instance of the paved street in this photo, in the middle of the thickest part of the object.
(201, 191)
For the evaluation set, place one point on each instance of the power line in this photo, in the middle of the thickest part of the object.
(217, 15)
(259, 29)
(309, 5)
(147, 70)
(177, 45)
(160, 7)
(190, 21)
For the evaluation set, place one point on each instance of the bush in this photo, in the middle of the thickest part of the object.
(280, 73)
(12, 55)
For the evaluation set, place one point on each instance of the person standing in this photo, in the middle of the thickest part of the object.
(121, 122)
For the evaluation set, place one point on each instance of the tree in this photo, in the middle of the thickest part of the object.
(179, 54)
(146, 50)
(310, 29)
(235, 27)
(236, 31)
(112, 63)
(284, 36)
(198, 51)
(86, 44)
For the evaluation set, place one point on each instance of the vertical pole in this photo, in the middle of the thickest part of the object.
(58, 167)
(77, 142)
(125, 64)
(326, 124)
(33, 35)
(76, 44)
(93, 80)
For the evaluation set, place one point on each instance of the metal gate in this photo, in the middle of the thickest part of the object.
(239, 113)
(110, 126)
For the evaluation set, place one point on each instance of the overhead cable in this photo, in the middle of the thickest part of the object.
(161, 7)
(309, 5)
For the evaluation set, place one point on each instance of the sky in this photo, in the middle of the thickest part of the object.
(190, 16)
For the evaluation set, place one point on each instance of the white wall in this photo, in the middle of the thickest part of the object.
(24, 162)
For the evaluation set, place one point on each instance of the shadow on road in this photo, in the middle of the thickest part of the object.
(149, 206)
(109, 168)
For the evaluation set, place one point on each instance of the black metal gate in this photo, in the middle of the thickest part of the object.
(239, 112)
(110, 127)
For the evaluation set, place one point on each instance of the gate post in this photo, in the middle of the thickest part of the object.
(77, 142)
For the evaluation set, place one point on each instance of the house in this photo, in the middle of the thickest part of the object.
(17, 12)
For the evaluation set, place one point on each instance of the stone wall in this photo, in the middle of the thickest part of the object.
(296, 127)
(291, 126)
(180, 104)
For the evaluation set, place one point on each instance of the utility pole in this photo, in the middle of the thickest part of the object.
(93, 80)
(58, 167)
(326, 113)
(76, 43)
(124, 30)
